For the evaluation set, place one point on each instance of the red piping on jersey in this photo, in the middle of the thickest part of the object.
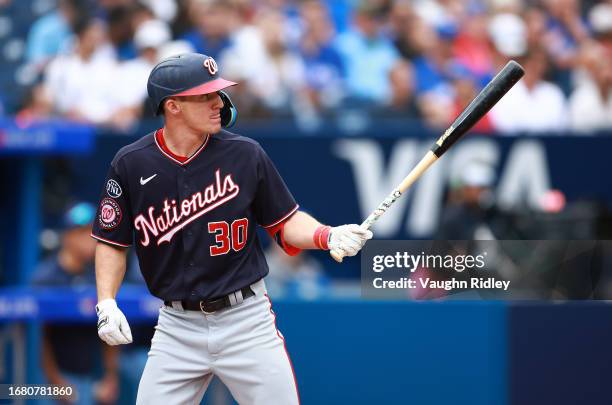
(108, 241)
(181, 160)
(283, 218)
(297, 391)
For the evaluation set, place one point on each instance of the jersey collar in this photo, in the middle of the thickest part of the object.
(181, 160)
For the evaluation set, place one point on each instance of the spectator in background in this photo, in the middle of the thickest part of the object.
(325, 70)
(472, 47)
(121, 30)
(281, 81)
(402, 102)
(69, 349)
(243, 60)
(82, 84)
(401, 18)
(150, 36)
(510, 37)
(212, 21)
(433, 72)
(535, 24)
(441, 13)
(368, 55)
(590, 105)
(140, 14)
(533, 104)
(565, 32)
(434, 57)
(165, 10)
(51, 34)
(470, 203)
(273, 75)
(600, 20)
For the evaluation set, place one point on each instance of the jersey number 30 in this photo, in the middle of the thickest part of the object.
(226, 236)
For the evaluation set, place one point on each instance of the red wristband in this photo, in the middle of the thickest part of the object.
(316, 235)
(320, 237)
(325, 238)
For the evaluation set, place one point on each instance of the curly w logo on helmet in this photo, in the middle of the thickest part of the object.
(211, 65)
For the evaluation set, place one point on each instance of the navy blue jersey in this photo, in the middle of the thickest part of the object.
(193, 222)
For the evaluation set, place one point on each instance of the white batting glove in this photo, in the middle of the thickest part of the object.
(348, 239)
(113, 328)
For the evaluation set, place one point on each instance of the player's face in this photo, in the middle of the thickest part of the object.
(202, 112)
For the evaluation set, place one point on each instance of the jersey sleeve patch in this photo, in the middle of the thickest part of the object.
(110, 214)
(113, 189)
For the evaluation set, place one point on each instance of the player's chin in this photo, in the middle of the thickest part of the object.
(214, 129)
(214, 126)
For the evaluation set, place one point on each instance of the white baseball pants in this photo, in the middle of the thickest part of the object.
(240, 345)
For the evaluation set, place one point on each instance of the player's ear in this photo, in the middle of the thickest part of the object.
(171, 106)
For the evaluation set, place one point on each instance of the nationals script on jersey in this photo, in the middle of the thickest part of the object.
(193, 221)
(172, 219)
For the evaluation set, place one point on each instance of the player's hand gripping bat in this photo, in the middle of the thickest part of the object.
(482, 103)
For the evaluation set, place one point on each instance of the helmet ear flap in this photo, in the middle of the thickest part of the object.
(229, 113)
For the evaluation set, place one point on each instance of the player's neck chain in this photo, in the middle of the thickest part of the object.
(174, 217)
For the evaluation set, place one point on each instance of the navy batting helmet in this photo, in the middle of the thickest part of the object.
(187, 75)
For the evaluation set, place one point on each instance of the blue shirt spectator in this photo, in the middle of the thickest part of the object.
(324, 66)
(368, 56)
(211, 26)
(204, 45)
(52, 33)
(429, 76)
(47, 37)
(325, 69)
(339, 11)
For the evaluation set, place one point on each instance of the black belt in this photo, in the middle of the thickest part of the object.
(213, 305)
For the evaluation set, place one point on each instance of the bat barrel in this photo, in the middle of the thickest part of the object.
(482, 103)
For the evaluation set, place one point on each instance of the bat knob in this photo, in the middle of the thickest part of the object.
(336, 255)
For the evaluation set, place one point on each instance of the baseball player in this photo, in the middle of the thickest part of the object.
(190, 196)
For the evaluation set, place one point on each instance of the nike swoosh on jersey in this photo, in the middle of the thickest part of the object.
(145, 181)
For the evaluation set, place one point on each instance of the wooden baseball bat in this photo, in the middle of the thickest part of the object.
(482, 103)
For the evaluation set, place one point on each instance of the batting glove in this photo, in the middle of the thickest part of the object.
(113, 328)
(348, 239)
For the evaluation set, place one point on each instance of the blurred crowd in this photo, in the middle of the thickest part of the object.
(311, 59)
